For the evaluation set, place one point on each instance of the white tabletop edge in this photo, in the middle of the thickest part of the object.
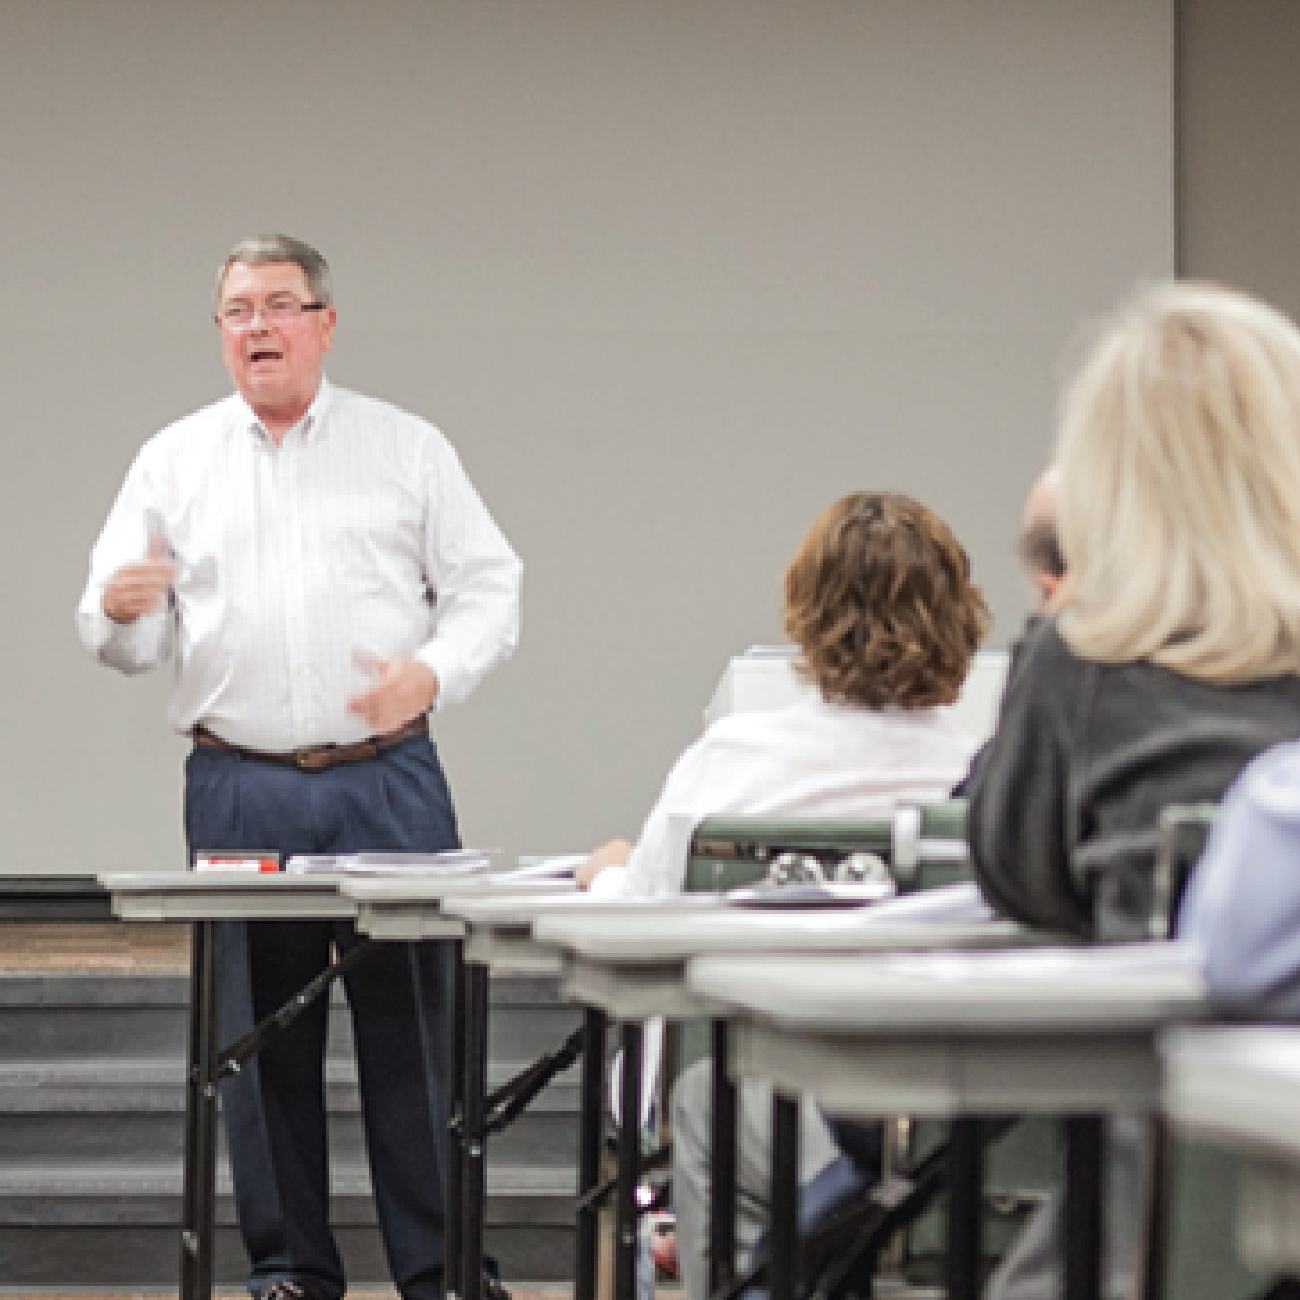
(1037, 990)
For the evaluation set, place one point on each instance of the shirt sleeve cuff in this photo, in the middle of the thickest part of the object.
(125, 643)
(435, 658)
(611, 883)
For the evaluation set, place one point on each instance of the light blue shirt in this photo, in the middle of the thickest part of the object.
(1241, 912)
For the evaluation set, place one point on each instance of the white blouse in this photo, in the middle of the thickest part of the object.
(811, 759)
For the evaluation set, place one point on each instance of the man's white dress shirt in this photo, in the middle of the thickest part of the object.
(810, 759)
(359, 537)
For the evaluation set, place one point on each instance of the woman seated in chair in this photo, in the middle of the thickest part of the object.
(1175, 658)
(880, 604)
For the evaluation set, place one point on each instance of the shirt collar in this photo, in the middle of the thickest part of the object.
(311, 424)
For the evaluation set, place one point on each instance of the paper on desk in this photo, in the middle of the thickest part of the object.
(453, 862)
(556, 867)
(831, 895)
(957, 904)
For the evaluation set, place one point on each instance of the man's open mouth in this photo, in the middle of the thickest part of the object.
(265, 354)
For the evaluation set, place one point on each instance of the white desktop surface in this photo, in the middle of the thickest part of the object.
(1034, 1031)
(399, 889)
(1238, 1087)
(216, 895)
(644, 937)
(1053, 987)
(632, 963)
(407, 909)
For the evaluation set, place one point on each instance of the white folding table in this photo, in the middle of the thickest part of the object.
(1238, 1088)
(1064, 1031)
(631, 965)
(205, 900)
(491, 921)
(408, 909)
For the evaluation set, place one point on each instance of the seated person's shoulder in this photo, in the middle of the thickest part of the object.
(1041, 652)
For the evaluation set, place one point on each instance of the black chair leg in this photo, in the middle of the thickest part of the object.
(589, 1150)
(1085, 1137)
(455, 1128)
(722, 1194)
(965, 1209)
(200, 1187)
(629, 1160)
(1157, 1236)
(783, 1268)
(474, 1157)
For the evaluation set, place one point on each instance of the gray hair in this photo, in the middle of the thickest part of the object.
(266, 250)
(1039, 549)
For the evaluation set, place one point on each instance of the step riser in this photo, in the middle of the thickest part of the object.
(122, 1033)
(546, 1139)
(134, 1258)
(94, 1087)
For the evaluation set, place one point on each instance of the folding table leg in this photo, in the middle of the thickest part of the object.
(454, 1190)
(474, 1158)
(965, 1209)
(592, 1108)
(629, 1160)
(198, 1212)
(1084, 1176)
(783, 1266)
(1157, 1234)
(722, 1203)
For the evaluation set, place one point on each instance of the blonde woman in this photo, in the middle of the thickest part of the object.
(1176, 657)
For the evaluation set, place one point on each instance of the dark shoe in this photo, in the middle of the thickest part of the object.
(285, 1289)
(1283, 1288)
(492, 1287)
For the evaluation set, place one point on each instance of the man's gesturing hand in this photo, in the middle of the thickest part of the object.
(403, 689)
(140, 588)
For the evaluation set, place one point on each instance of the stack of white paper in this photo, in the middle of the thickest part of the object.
(453, 862)
(557, 867)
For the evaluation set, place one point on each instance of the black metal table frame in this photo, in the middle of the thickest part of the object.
(469, 1125)
(466, 1183)
(629, 1160)
(206, 1064)
(466, 1149)
(1084, 1184)
(199, 1195)
(1084, 1181)
(466, 1169)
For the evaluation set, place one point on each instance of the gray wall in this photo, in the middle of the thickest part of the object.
(1237, 143)
(670, 275)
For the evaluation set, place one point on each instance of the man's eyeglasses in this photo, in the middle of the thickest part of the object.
(240, 315)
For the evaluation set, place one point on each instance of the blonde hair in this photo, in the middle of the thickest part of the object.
(1180, 488)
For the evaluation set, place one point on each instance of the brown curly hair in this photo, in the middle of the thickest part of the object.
(879, 601)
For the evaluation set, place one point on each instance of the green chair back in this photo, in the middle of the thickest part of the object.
(923, 848)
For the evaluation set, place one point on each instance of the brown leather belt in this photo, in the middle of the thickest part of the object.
(318, 758)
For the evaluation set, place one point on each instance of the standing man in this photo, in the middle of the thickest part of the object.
(323, 574)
